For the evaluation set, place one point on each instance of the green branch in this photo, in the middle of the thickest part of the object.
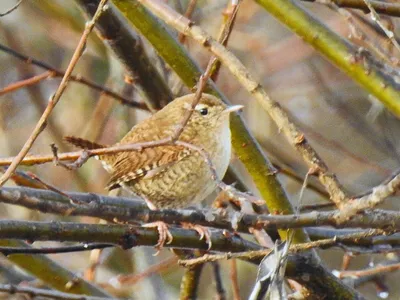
(51, 272)
(361, 67)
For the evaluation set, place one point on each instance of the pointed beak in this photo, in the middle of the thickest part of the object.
(233, 108)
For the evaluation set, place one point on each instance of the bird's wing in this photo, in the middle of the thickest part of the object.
(130, 166)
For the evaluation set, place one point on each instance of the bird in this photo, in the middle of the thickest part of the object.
(172, 176)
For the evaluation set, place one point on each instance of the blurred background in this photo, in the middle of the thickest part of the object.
(353, 133)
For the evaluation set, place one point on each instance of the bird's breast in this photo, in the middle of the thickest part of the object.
(224, 151)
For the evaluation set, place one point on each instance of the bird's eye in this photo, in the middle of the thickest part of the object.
(203, 111)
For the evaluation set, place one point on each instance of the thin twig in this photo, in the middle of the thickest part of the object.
(368, 272)
(41, 124)
(84, 157)
(293, 248)
(135, 278)
(211, 68)
(221, 294)
(375, 17)
(188, 14)
(377, 196)
(385, 8)
(226, 30)
(94, 261)
(26, 82)
(75, 78)
(359, 35)
(53, 188)
(8, 11)
(53, 250)
(234, 280)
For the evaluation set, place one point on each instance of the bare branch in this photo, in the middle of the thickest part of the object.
(41, 124)
(8, 11)
(386, 8)
(127, 236)
(75, 78)
(23, 83)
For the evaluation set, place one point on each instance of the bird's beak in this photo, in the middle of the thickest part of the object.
(233, 108)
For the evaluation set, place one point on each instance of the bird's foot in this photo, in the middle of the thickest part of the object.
(204, 232)
(164, 235)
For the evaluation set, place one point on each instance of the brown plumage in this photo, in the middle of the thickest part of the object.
(172, 176)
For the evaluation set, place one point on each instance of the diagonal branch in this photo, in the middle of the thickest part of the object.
(41, 124)
(26, 82)
(373, 75)
(128, 48)
(292, 133)
(75, 78)
(369, 201)
(385, 8)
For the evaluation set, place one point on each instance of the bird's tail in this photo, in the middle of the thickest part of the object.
(82, 143)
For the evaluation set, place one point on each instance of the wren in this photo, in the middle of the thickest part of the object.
(172, 176)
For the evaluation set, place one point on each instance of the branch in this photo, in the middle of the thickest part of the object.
(75, 78)
(318, 279)
(131, 209)
(385, 8)
(50, 272)
(220, 290)
(35, 292)
(190, 282)
(296, 248)
(41, 124)
(127, 236)
(52, 250)
(128, 48)
(370, 73)
(369, 201)
(26, 82)
(10, 10)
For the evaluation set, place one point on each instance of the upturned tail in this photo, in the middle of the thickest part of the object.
(82, 143)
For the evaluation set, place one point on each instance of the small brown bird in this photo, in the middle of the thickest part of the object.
(172, 176)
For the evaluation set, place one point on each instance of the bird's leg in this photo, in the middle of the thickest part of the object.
(164, 234)
(204, 232)
(150, 204)
(162, 228)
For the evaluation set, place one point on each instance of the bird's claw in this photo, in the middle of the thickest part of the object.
(204, 232)
(164, 235)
